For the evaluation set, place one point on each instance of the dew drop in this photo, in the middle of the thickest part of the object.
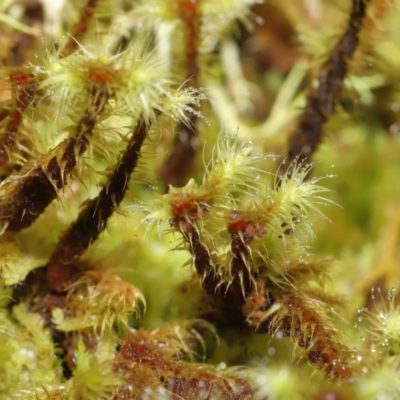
(262, 380)
(272, 351)
(260, 20)
(395, 107)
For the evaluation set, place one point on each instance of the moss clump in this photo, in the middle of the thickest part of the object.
(146, 255)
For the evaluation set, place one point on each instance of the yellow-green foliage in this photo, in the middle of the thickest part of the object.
(314, 244)
(99, 300)
(29, 357)
(91, 379)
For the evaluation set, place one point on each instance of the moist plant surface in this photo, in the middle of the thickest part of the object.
(199, 199)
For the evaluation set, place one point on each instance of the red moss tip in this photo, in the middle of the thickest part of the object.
(19, 79)
(248, 227)
(183, 205)
(101, 76)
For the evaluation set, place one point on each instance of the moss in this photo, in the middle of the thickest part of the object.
(199, 199)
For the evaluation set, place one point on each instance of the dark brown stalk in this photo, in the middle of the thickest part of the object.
(92, 219)
(179, 164)
(27, 193)
(321, 99)
(185, 223)
(233, 295)
(190, 15)
(177, 167)
(243, 231)
(24, 89)
(79, 30)
(228, 296)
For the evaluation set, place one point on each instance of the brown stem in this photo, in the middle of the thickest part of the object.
(27, 193)
(232, 295)
(229, 297)
(80, 29)
(25, 88)
(185, 223)
(92, 219)
(177, 167)
(243, 230)
(190, 15)
(321, 99)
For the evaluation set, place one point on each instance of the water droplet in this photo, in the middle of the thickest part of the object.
(259, 20)
(262, 380)
(395, 107)
(271, 351)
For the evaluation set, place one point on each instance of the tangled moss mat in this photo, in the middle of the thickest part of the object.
(199, 199)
